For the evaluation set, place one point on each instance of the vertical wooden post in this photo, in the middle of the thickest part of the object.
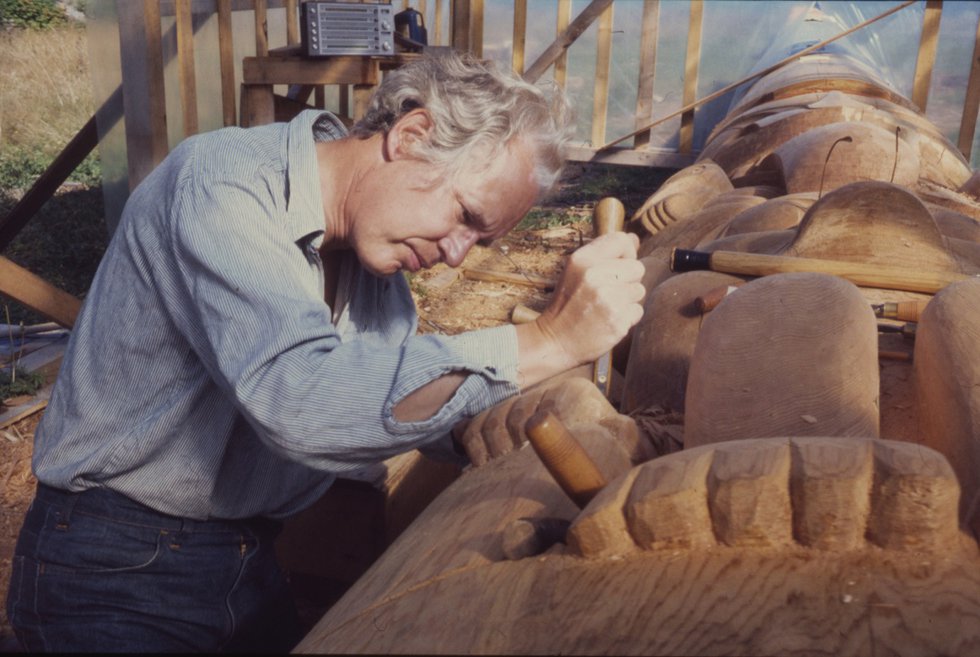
(971, 104)
(691, 63)
(156, 95)
(600, 95)
(292, 23)
(520, 36)
(261, 28)
(476, 27)
(185, 66)
(226, 53)
(561, 24)
(927, 53)
(648, 64)
(437, 32)
(460, 20)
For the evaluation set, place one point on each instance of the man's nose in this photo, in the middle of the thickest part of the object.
(457, 244)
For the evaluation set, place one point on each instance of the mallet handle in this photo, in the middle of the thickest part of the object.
(756, 264)
(564, 457)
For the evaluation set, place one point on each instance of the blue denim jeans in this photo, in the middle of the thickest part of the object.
(98, 572)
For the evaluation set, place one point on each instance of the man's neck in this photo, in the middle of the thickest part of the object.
(342, 163)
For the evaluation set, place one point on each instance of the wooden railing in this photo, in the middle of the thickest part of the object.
(459, 23)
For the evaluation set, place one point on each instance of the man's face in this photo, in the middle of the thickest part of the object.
(410, 216)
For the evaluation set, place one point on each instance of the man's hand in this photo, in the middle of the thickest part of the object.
(598, 299)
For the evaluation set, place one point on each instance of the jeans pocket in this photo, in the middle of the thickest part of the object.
(90, 544)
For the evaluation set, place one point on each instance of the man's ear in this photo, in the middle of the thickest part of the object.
(409, 131)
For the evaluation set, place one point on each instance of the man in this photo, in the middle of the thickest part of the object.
(210, 391)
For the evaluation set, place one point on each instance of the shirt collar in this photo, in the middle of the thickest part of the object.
(304, 205)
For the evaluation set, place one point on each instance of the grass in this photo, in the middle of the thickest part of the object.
(45, 98)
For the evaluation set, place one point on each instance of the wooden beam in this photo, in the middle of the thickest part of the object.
(261, 28)
(648, 64)
(185, 67)
(600, 89)
(437, 32)
(48, 182)
(159, 142)
(926, 61)
(476, 27)
(349, 69)
(519, 36)
(37, 294)
(628, 157)
(692, 62)
(566, 38)
(292, 23)
(759, 74)
(226, 54)
(561, 24)
(460, 23)
(971, 104)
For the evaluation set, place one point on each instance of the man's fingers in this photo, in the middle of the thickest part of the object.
(611, 245)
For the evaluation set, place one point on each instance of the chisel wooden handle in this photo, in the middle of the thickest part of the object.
(608, 217)
(906, 311)
(755, 264)
(564, 457)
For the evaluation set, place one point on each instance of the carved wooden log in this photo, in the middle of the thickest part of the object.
(817, 506)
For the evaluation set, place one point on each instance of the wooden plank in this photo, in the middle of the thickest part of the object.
(600, 89)
(759, 74)
(519, 36)
(691, 62)
(48, 182)
(261, 28)
(460, 21)
(226, 53)
(185, 67)
(37, 294)
(630, 157)
(971, 104)
(350, 69)
(561, 24)
(292, 23)
(157, 99)
(362, 98)
(566, 38)
(476, 27)
(648, 63)
(926, 61)
(436, 39)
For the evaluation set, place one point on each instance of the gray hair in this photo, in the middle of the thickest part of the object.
(473, 105)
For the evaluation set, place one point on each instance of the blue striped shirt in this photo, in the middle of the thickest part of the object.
(207, 378)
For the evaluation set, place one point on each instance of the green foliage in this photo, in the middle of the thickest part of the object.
(31, 14)
(20, 168)
(416, 285)
(544, 218)
(16, 382)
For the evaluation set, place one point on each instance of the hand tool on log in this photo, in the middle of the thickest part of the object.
(905, 311)
(756, 264)
(608, 216)
(907, 330)
(564, 457)
(710, 299)
(528, 537)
